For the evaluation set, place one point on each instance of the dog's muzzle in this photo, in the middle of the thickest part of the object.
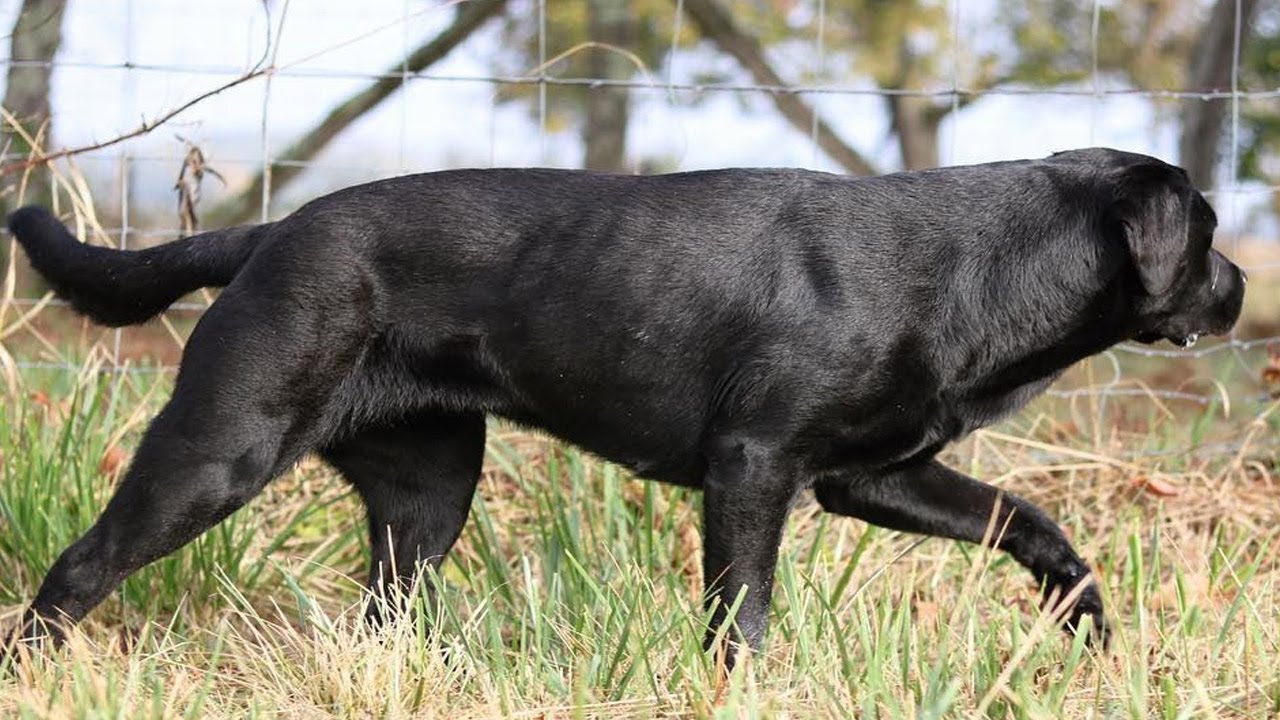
(1184, 341)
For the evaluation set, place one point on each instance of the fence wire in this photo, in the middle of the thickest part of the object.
(1249, 354)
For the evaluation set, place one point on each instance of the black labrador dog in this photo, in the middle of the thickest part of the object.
(748, 332)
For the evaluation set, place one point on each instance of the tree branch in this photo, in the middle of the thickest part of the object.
(718, 26)
(242, 207)
(146, 127)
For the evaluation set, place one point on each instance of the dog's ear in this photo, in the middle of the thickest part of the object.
(1153, 215)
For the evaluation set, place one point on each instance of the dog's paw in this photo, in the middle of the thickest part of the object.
(1088, 604)
(31, 636)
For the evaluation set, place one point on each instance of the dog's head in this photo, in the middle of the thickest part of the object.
(1186, 288)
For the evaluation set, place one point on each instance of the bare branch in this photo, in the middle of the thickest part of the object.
(146, 127)
(717, 25)
(260, 69)
(241, 208)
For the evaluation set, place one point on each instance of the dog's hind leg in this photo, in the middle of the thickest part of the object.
(747, 494)
(252, 396)
(417, 477)
(932, 499)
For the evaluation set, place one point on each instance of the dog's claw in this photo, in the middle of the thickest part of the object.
(1090, 605)
(1099, 630)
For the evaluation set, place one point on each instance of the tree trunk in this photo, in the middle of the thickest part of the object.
(1209, 70)
(37, 33)
(717, 25)
(914, 118)
(604, 131)
(246, 206)
(915, 121)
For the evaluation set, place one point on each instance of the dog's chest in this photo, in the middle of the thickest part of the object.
(914, 421)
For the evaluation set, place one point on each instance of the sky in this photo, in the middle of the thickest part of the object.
(181, 48)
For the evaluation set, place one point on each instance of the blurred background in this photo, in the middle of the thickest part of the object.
(169, 115)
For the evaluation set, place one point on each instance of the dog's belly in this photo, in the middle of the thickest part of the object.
(652, 455)
(908, 426)
(643, 420)
(647, 430)
(895, 433)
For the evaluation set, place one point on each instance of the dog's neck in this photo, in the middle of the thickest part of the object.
(1016, 345)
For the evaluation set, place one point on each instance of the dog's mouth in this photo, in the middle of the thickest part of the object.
(1184, 341)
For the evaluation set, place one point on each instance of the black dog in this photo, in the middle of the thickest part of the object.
(748, 332)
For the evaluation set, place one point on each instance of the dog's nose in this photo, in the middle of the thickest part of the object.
(1244, 276)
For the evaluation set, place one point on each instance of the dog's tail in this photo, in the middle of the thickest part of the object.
(126, 287)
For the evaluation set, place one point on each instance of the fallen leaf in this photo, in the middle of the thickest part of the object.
(1271, 373)
(112, 462)
(1157, 486)
(926, 611)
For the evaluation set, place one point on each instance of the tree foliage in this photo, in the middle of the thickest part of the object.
(1144, 43)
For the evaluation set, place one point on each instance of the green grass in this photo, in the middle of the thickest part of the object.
(574, 590)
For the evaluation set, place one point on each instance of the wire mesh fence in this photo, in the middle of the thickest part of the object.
(298, 63)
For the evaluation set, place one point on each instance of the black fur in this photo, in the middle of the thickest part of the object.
(748, 332)
(118, 288)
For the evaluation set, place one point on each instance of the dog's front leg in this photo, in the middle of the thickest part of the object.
(931, 499)
(747, 493)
